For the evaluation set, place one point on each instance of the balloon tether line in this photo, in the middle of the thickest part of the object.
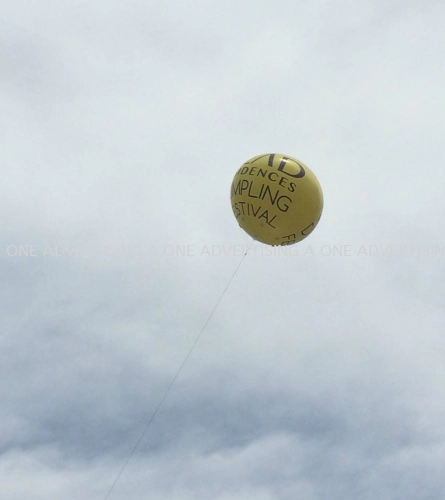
(176, 376)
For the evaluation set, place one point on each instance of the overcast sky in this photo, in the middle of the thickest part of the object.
(319, 376)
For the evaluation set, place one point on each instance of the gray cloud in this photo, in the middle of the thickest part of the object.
(319, 376)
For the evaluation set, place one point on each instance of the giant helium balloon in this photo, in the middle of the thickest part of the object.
(276, 199)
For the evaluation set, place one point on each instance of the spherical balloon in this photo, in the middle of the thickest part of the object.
(276, 199)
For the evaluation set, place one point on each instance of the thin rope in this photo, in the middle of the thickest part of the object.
(176, 376)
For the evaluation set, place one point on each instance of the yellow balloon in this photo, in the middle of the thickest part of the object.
(276, 199)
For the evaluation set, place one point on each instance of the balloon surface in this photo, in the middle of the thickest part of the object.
(276, 199)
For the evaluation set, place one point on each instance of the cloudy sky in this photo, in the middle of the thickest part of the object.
(321, 374)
